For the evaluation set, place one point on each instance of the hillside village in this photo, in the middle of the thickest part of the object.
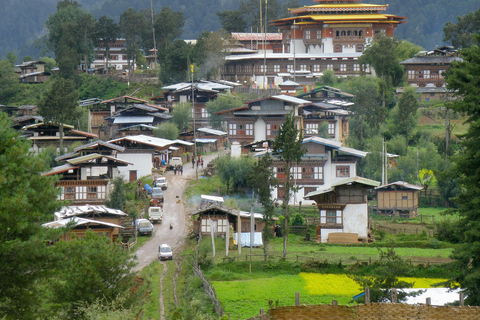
(306, 173)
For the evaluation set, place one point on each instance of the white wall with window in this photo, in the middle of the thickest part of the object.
(249, 129)
(232, 129)
(353, 219)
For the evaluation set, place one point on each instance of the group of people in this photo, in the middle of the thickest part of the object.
(178, 169)
(199, 162)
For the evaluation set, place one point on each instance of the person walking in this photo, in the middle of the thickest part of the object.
(175, 170)
(193, 163)
(181, 170)
(201, 162)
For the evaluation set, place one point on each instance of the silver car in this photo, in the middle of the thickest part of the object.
(165, 252)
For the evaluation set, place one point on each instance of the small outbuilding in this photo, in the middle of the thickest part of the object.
(398, 198)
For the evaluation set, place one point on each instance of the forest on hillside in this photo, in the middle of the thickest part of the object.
(23, 22)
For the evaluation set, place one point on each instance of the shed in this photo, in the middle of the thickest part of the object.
(398, 198)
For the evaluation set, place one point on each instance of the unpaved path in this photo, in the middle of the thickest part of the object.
(174, 214)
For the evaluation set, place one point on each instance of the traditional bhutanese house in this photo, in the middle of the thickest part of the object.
(141, 151)
(33, 72)
(425, 72)
(44, 135)
(343, 210)
(217, 218)
(329, 105)
(329, 35)
(82, 179)
(260, 119)
(203, 91)
(98, 110)
(23, 121)
(211, 140)
(398, 198)
(97, 218)
(131, 117)
(324, 163)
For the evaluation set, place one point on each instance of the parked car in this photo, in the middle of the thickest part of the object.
(175, 162)
(161, 183)
(165, 252)
(157, 193)
(155, 214)
(144, 227)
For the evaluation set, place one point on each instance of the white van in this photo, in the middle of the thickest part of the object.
(161, 183)
(155, 214)
(175, 162)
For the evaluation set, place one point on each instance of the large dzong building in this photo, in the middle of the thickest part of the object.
(329, 35)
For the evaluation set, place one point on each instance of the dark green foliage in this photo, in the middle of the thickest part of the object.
(298, 220)
(182, 115)
(232, 21)
(27, 200)
(168, 26)
(101, 88)
(404, 115)
(106, 32)
(92, 268)
(234, 171)
(166, 130)
(132, 25)
(174, 62)
(9, 84)
(460, 34)
(223, 102)
(464, 79)
(118, 196)
(387, 271)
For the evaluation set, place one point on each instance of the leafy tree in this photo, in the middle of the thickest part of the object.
(50, 63)
(426, 178)
(69, 33)
(106, 33)
(234, 171)
(59, 104)
(182, 115)
(461, 34)
(93, 268)
(132, 25)
(118, 196)
(288, 146)
(99, 87)
(232, 21)
(405, 115)
(27, 58)
(174, 62)
(329, 78)
(12, 58)
(463, 78)
(221, 103)
(166, 130)
(262, 180)
(168, 26)
(382, 56)
(250, 10)
(298, 220)
(209, 52)
(367, 108)
(28, 199)
(385, 277)
(9, 85)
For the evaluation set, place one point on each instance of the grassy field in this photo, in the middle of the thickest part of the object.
(243, 299)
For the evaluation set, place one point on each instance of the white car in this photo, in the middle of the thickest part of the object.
(165, 252)
(161, 183)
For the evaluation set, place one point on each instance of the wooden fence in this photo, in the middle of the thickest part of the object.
(208, 289)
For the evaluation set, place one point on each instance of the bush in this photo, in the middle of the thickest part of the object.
(447, 230)
(298, 220)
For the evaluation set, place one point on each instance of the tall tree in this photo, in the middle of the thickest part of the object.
(262, 180)
(9, 85)
(59, 104)
(461, 34)
(168, 26)
(69, 32)
(209, 52)
(182, 115)
(106, 33)
(174, 62)
(405, 118)
(463, 78)
(232, 21)
(28, 199)
(288, 147)
(166, 130)
(382, 56)
(132, 25)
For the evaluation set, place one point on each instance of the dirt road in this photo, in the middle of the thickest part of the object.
(174, 215)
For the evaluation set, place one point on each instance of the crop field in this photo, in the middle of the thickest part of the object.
(243, 299)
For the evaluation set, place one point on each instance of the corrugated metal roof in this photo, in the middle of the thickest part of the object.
(327, 142)
(91, 145)
(212, 131)
(133, 119)
(186, 143)
(290, 99)
(354, 152)
(138, 126)
(67, 156)
(243, 36)
(76, 221)
(356, 179)
(298, 56)
(402, 184)
(94, 156)
(199, 140)
(70, 211)
(261, 112)
(148, 140)
(431, 59)
(288, 82)
(59, 169)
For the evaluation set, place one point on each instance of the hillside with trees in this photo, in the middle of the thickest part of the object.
(22, 27)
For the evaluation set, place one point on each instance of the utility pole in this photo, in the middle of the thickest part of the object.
(154, 44)
(265, 82)
(194, 129)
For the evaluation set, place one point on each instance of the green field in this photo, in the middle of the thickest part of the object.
(243, 299)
